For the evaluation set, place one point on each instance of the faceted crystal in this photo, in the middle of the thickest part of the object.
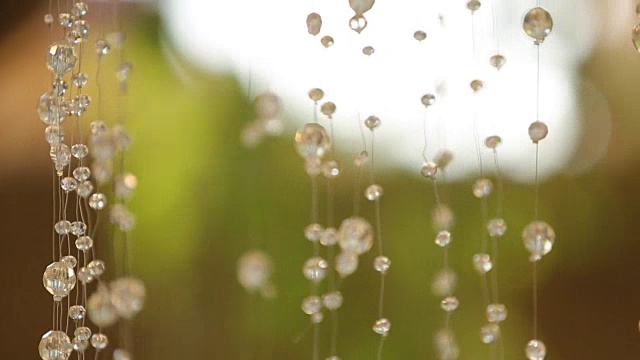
(79, 151)
(48, 19)
(490, 333)
(79, 345)
(358, 23)
(54, 134)
(476, 85)
(473, 5)
(497, 227)
(79, 32)
(62, 227)
(538, 24)
(429, 170)
(373, 192)
(78, 228)
(492, 142)
(69, 261)
(313, 232)
(538, 238)
(98, 127)
(96, 267)
(449, 304)
(60, 155)
(315, 269)
(98, 201)
(81, 173)
(443, 239)
(50, 110)
(68, 184)
(496, 313)
(55, 345)
(381, 264)
(382, 327)
(127, 296)
(355, 235)
(314, 23)
(254, 270)
(316, 94)
(372, 122)
(327, 41)
(313, 167)
(482, 263)
(312, 141)
(80, 79)
(329, 237)
(102, 47)
(100, 308)
(82, 333)
(59, 279)
(328, 109)
(497, 61)
(65, 20)
(99, 341)
(84, 276)
(330, 169)
(538, 131)
(77, 312)
(311, 305)
(82, 103)
(84, 189)
(536, 350)
(428, 100)
(332, 300)
(444, 282)
(482, 188)
(79, 9)
(420, 35)
(59, 87)
(61, 58)
(346, 263)
(361, 6)
(368, 50)
(122, 217)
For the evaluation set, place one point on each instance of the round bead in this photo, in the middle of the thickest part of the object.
(100, 308)
(79, 345)
(79, 151)
(125, 185)
(473, 5)
(62, 227)
(538, 131)
(535, 350)
(492, 142)
(314, 24)
(61, 58)
(102, 47)
(329, 237)
(121, 354)
(54, 134)
(127, 296)
(98, 201)
(65, 20)
(373, 192)
(96, 268)
(443, 239)
(48, 19)
(497, 227)
(346, 263)
(327, 41)
(80, 79)
(444, 282)
(313, 232)
(443, 158)
(312, 141)
(59, 279)
(358, 23)
(538, 24)
(124, 72)
(538, 238)
(55, 345)
(381, 264)
(68, 184)
(330, 169)
(361, 159)
(268, 106)
(496, 313)
(254, 270)
(382, 327)
(420, 35)
(482, 188)
(449, 304)
(84, 276)
(77, 312)
(80, 9)
(50, 110)
(372, 122)
(482, 263)
(315, 269)
(355, 235)
(84, 189)
(368, 50)
(99, 341)
(332, 300)
(497, 61)
(428, 100)
(81, 173)
(317, 317)
(59, 87)
(316, 94)
(60, 155)
(489, 333)
(328, 109)
(311, 305)
(429, 170)
(69, 261)
(83, 333)
(476, 85)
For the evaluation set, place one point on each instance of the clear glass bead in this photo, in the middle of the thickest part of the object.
(102, 47)
(254, 270)
(536, 350)
(315, 269)
(538, 131)
(443, 239)
(313, 232)
(312, 141)
(69, 261)
(127, 296)
(358, 23)
(314, 24)
(328, 109)
(79, 345)
(311, 305)
(492, 142)
(538, 238)
(80, 79)
(382, 327)
(489, 333)
(482, 263)
(84, 276)
(98, 201)
(78, 228)
(327, 41)
(81, 173)
(374, 192)
(429, 170)
(83, 102)
(442, 217)
(59, 279)
(482, 188)
(61, 58)
(80, 9)
(497, 227)
(420, 35)
(355, 235)
(428, 100)
(346, 263)
(77, 312)
(59, 87)
(476, 85)
(635, 36)
(84, 189)
(443, 158)
(55, 345)
(368, 50)
(98, 127)
(48, 19)
(62, 227)
(100, 308)
(65, 20)
(317, 318)
(497, 61)
(60, 155)
(496, 313)
(361, 6)
(381, 264)
(121, 354)
(372, 122)
(449, 304)
(99, 341)
(79, 151)
(82, 333)
(538, 24)
(361, 159)
(79, 32)
(68, 184)
(332, 300)
(50, 110)
(331, 169)
(473, 5)
(54, 134)
(316, 94)
(444, 282)
(329, 237)
(96, 267)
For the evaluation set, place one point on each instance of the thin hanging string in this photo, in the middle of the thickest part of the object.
(494, 242)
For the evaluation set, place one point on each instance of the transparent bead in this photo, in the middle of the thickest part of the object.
(497, 61)
(473, 5)
(442, 217)
(60, 155)
(50, 110)
(361, 159)
(59, 87)
(59, 279)
(82, 102)
(316, 94)
(358, 23)
(125, 185)
(361, 6)
(381, 264)
(429, 170)
(482, 188)
(317, 317)
(268, 106)
(449, 304)
(79, 151)
(77, 312)
(538, 238)
(65, 20)
(99, 341)
(536, 350)
(62, 227)
(79, 32)
(314, 24)
(102, 47)
(55, 345)
(538, 131)
(382, 327)
(373, 192)
(476, 85)
(355, 235)
(329, 237)
(121, 354)
(497, 227)
(124, 72)
(538, 24)
(328, 109)
(98, 201)
(78, 228)
(96, 268)
(79, 345)
(84, 189)
(315, 269)
(84, 276)
(482, 263)
(490, 333)
(81, 173)
(312, 141)
(346, 263)
(54, 134)
(127, 296)
(69, 261)
(332, 300)
(98, 127)
(420, 35)
(80, 9)
(311, 305)
(444, 282)
(82, 333)
(428, 100)
(68, 184)
(372, 122)
(48, 19)
(254, 270)
(635, 37)
(368, 50)
(327, 41)
(496, 313)
(443, 158)
(492, 142)
(100, 308)
(443, 239)
(313, 232)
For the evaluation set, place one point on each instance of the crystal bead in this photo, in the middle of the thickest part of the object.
(473, 5)
(60, 155)
(428, 100)
(65, 20)
(127, 296)
(313, 232)
(368, 50)
(489, 333)
(449, 304)
(538, 131)
(328, 109)
(59, 87)
(317, 318)
(361, 6)
(62, 227)
(420, 35)
(496, 313)
(482, 263)
(382, 327)
(50, 110)
(96, 268)
(314, 24)
(329, 237)
(125, 185)
(538, 238)
(84, 276)
(482, 188)
(100, 308)
(316, 94)
(121, 354)
(77, 312)
(99, 341)
(358, 23)
(80, 79)
(492, 142)
(355, 235)
(429, 170)
(635, 37)
(327, 41)
(372, 122)
(79, 345)
(55, 345)
(48, 19)
(442, 217)
(82, 102)
(54, 134)
(332, 300)
(444, 282)
(254, 270)
(98, 127)
(82, 333)
(315, 269)
(59, 279)
(346, 263)
(81, 173)
(381, 264)
(80, 9)
(373, 192)
(69, 261)
(311, 305)
(312, 141)
(98, 201)
(268, 106)
(79, 151)
(361, 159)
(536, 350)
(102, 47)
(443, 239)
(538, 24)
(124, 72)
(497, 61)
(497, 227)
(443, 158)
(476, 85)
(79, 32)
(68, 184)
(78, 228)
(84, 189)
(331, 169)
